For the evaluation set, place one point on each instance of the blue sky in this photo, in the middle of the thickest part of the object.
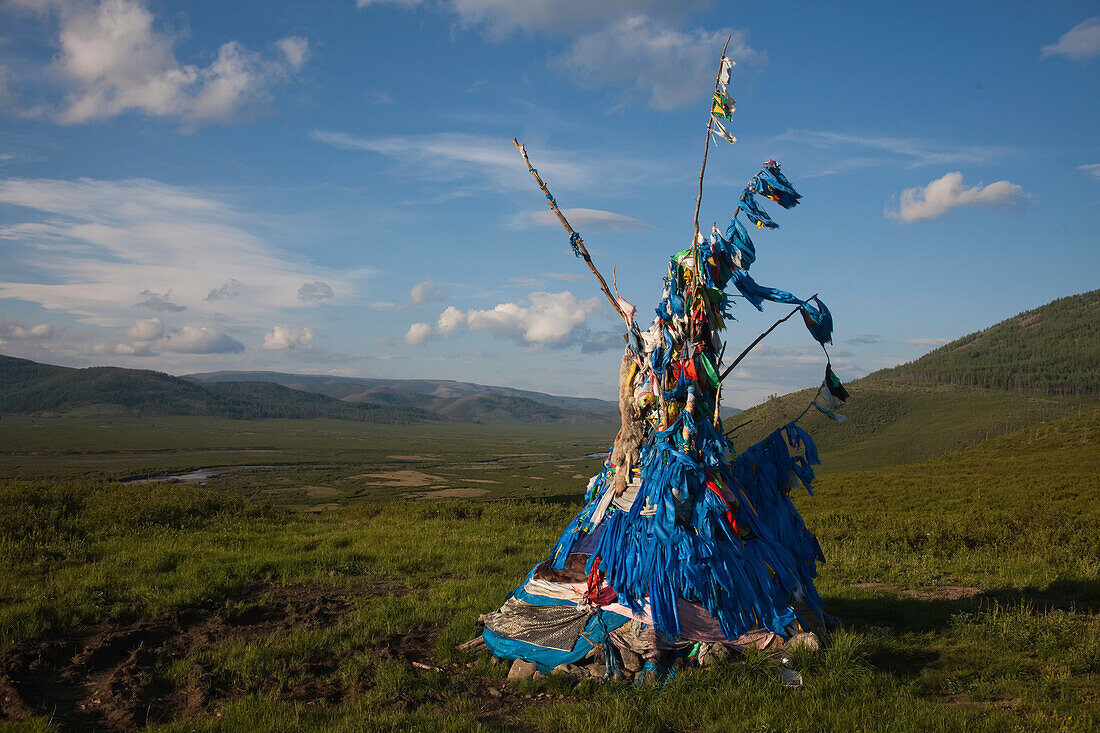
(331, 187)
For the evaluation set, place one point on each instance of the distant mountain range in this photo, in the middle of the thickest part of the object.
(1037, 366)
(30, 387)
(445, 398)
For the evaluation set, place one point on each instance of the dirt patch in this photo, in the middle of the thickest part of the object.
(405, 478)
(934, 593)
(112, 676)
(460, 493)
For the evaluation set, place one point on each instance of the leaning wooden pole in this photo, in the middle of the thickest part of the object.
(574, 237)
(706, 151)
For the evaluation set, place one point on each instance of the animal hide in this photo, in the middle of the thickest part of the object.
(628, 443)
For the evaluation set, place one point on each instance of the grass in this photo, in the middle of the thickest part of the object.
(969, 585)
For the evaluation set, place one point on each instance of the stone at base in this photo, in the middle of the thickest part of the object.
(632, 661)
(568, 669)
(807, 640)
(597, 670)
(522, 670)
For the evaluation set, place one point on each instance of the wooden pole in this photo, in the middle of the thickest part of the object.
(574, 237)
(759, 338)
(706, 151)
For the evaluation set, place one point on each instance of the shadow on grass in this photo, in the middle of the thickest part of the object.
(885, 612)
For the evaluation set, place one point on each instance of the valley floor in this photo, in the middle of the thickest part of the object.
(969, 586)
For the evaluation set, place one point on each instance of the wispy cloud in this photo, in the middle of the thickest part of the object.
(676, 73)
(850, 151)
(1091, 169)
(944, 194)
(452, 156)
(94, 248)
(595, 220)
(1080, 42)
(928, 342)
(113, 60)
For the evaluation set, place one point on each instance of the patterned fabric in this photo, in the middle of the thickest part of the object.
(554, 627)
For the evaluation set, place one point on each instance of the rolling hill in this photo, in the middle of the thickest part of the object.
(30, 387)
(1037, 366)
(450, 399)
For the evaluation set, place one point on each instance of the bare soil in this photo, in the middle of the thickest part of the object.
(109, 676)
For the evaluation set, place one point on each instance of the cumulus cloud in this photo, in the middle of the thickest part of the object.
(315, 291)
(84, 244)
(651, 58)
(229, 290)
(548, 319)
(287, 337)
(594, 220)
(418, 334)
(157, 302)
(114, 60)
(149, 337)
(1090, 169)
(1080, 42)
(199, 340)
(427, 290)
(18, 332)
(928, 342)
(947, 193)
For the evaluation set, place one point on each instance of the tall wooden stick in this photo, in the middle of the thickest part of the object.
(706, 151)
(749, 348)
(574, 237)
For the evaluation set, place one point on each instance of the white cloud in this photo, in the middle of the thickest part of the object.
(295, 50)
(287, 337)
(149, 336)
(427, 290)
(114, 60)
(18, 332)
(418, 334)
(928, 342)
(84, 244)
(546, 319)
(1080, 42)
(147, 329)
(594, 220)
(651, 57)
(1091, 169)
(314, 291)
(199, 340)
(947, 193)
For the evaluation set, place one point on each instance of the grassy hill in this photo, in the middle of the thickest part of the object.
(27, 387)
(1037, 366)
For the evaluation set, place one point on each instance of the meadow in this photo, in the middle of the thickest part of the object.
(969, 584)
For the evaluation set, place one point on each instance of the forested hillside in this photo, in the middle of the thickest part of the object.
(1053, 349)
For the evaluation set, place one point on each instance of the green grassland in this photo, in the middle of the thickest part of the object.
(969, 585)
(308, 463)
(892, 422)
